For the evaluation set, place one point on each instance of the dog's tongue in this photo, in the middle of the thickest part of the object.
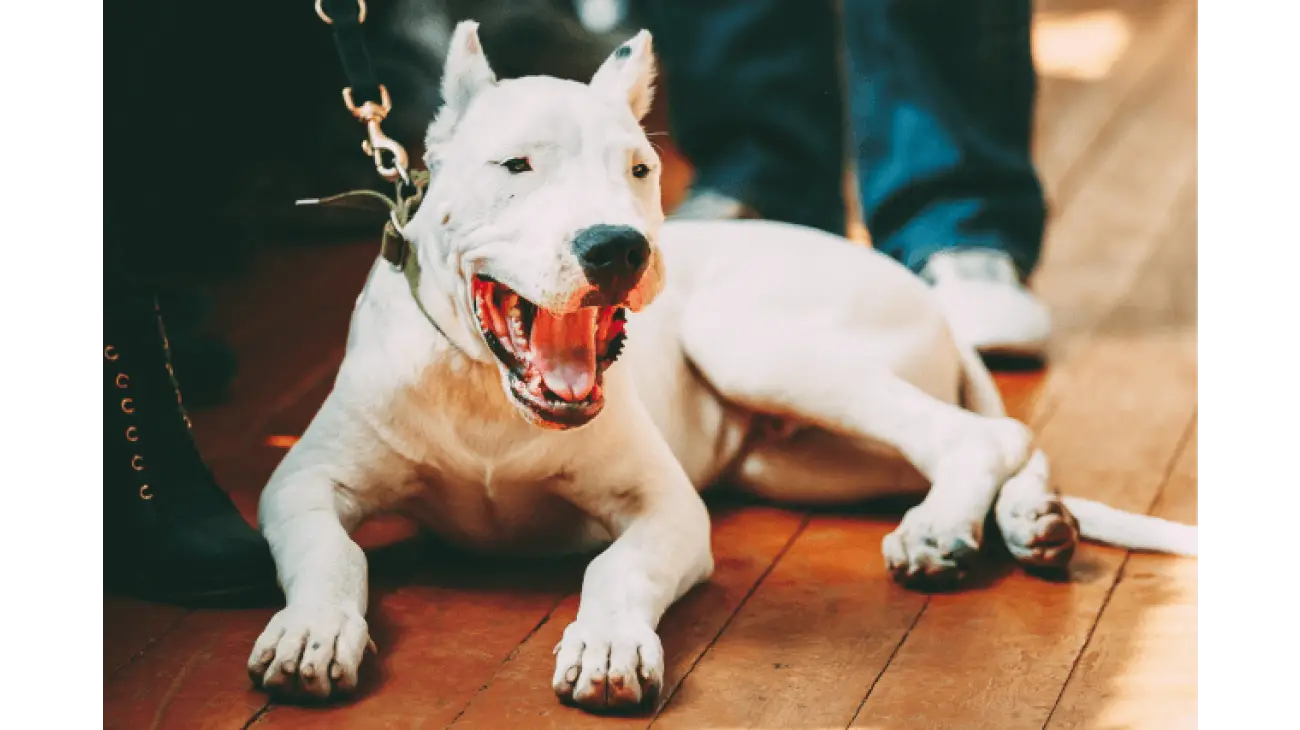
(564, 350)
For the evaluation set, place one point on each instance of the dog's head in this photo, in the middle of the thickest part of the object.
(542, 220)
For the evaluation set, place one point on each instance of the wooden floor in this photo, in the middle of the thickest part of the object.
(800, 627)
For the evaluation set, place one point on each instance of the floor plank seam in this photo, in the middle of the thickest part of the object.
(177, 681)
(513, 653)
(1106, 316)
(668, 697)
(1087, 640)
(147, 645)
(261, 712)
(1077, 340)
(1168, 473)
(897, 648)
(1183, 442)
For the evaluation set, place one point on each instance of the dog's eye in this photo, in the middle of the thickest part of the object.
(517, 165)
(640, 170)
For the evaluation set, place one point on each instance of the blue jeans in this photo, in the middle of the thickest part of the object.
(940, 98)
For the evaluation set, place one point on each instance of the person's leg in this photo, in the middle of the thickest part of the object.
(942, 99)
(171, 532)
(755, 102)
(167, 530)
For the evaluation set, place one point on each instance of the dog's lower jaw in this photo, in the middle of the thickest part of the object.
(573, 416)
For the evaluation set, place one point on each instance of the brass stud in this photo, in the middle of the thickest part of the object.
(144, 492)
(110, 352)
(128, 405)
(170, 371)
(188, 423)
(137, 462)
(122, 380)
(131, 434)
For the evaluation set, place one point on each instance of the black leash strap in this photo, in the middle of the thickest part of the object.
(345, 18)
(364, 96)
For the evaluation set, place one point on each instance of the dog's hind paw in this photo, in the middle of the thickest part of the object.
(927, 552)
(609, 665)
(310, 652)
(1038, 530)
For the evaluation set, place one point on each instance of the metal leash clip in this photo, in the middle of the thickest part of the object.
(376, 142)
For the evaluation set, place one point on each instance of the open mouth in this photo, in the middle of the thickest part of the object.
(554, 363)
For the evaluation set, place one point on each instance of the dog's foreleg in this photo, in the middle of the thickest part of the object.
(610, 656)
(315, 644)
(832, 380)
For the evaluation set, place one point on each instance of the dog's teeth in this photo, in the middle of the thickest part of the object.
(490, 317)
(518, 339)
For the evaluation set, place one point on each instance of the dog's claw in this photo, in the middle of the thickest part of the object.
(613, 665)
(291, 656)
(1042, 535)
(919, 554)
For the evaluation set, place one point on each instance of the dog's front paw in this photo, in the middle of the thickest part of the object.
(1038, 531)
(930, 551)
(609, 664)
(310, 651)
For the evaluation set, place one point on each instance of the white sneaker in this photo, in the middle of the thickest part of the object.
(986, 303)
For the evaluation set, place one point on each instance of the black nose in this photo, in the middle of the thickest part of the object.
(613, 258)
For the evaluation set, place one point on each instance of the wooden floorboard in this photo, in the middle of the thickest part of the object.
(1076, 116)
(132, 627)
(746, 542)
(823, 623)
(442, 636)
(799, 627)
(195, 678)
(1138, 669)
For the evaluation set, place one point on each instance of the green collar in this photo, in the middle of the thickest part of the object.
(398, 251)
(393, 245)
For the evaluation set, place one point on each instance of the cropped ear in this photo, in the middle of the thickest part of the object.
(465, 75)
(629, 73)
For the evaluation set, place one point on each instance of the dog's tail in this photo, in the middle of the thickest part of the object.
(1103, 523)
(979, 393)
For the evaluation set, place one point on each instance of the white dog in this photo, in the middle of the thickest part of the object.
(777, 358)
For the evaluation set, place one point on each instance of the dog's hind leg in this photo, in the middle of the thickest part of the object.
(1036, 527)
(314, 645)
(834, 379)
(816, 467)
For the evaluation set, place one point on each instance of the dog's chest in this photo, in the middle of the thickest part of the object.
(502, 502)
(498, 515)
